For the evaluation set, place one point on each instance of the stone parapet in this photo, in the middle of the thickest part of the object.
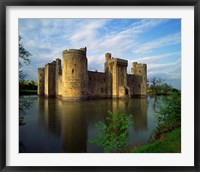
(72, 51)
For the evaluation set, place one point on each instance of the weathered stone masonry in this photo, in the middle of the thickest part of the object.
(73, 81)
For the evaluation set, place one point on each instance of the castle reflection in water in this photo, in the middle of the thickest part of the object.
(74, 122)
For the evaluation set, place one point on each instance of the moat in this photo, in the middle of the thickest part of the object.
(56, 126)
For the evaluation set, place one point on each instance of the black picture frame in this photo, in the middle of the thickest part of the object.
(5, 3)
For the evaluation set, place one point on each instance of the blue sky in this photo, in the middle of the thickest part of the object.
(156, 42)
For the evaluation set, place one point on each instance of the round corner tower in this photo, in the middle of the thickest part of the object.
(75, 74)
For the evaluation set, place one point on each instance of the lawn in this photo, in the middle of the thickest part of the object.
(169, 142)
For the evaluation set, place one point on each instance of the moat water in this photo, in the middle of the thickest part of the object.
(54, 126)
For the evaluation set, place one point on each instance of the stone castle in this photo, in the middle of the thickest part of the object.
(73, 81)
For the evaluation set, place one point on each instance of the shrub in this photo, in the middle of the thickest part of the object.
(169, 116)
(112, 135)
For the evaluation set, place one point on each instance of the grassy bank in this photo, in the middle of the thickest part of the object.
(167, 138)
(169, 142)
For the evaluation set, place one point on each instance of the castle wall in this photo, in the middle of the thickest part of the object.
(74, 74)
(97, 85)
(49, 88)
(41, 73)
(46, 79)
(108, 72)
(57, 76)
(130, 83)
(114, 71)
(59, 82)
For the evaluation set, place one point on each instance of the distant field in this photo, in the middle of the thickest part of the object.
(28, 83)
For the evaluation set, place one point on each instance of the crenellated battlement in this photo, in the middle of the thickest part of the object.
(75, 51)
(41, 69)
(50, 64)
(139, 65)
(120, 62)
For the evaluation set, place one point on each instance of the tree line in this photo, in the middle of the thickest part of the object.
(157, 86)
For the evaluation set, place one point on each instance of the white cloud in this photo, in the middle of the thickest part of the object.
(165, 66)
(123, 41)
(151, 59)
(161, 42)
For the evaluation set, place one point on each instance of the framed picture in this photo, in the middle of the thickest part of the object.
(99, 85)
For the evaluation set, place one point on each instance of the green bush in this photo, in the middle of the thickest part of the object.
(169, 116)
(112, 135)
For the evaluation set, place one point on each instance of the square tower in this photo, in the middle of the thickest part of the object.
(118, 69)
(139, 72)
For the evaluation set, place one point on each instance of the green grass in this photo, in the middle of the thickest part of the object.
(168, 143)
(28, 92)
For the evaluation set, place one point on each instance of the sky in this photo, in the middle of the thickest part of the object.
(156, 42)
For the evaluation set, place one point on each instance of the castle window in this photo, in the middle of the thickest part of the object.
(90, 78)
(102, 90)
(72, 70)
(126, 91)
(138, 85)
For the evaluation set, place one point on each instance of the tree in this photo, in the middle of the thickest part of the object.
(155, 84)
(24, 58)
(166, 88)
(169, 116)
(24, 102)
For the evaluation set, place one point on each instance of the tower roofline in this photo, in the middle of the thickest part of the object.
(80, 51)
